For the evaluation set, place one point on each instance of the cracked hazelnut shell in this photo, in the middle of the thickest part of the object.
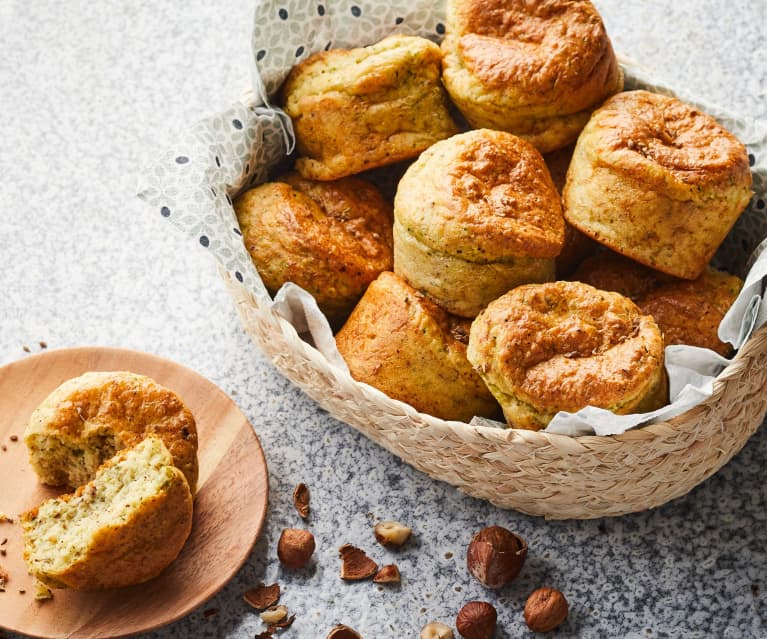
(355, 564)
(495, 556)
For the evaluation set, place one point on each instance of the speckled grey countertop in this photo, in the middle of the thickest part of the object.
(90, 90)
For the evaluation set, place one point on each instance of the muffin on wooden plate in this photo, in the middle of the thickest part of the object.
(358, 109)
(330, 238)
(535, 69)
(87, 419)
(123, 527)
(562, 346)
(476, 215)
(687, 311)
(402, 343)
(658, 181)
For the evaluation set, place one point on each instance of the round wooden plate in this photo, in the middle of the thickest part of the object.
(230, 505)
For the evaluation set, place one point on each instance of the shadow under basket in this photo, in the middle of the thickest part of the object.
(551, 475)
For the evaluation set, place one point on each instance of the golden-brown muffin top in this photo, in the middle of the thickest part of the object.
(566, 344)
(407, 346)
(554, 51)
(331, 238)
(360, 71)
(687, 311)
(358, 219)
(124, 405)
(483, 195)
(670, 142)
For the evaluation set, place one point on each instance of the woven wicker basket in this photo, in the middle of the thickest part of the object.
(557, 476)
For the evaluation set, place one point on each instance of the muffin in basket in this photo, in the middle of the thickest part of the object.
(330, 238)
(687, 311)
(474, 216)
(401, 342)
(358, 109)
(89, 418)
(535, 69)
(562, 346)
(658, 181)
(577, 246)
(123, 527)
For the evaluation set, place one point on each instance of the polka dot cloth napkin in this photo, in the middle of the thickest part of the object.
(192, 184)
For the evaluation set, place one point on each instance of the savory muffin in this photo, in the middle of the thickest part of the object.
(535, 69)
(562, 346)
(121, 528)
(402, 343)
(330, 238)
(89, 418)
(657, 181)
(362, 108)
(474, 216)
(577, 246)
(687, 311)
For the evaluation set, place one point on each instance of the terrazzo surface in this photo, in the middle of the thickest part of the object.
(90, 92)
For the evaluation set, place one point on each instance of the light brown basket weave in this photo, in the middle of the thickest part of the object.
(557, 476)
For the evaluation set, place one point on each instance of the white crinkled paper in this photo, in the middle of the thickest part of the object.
(193, 183)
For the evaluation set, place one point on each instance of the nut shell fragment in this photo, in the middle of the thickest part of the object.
(261, 597)
(355, 564)
(389, 574)
(343, 632)
(301, 500)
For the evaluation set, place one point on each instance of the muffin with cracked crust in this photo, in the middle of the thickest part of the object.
(658, 181)
(687, 311)
(562, 346)
(87, 419)
(402, 343)
(474, 216)
(535, 69)
(123, 527)
(358, 109)
(330, 238)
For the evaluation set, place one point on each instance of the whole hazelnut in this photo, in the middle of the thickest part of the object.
(476, 620)
(545, 609)
(495, 556)
(436, 630)
(295, 547)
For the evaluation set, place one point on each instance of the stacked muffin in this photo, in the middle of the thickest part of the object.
(129, 447)
(454, 284)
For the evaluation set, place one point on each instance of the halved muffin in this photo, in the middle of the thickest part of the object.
(123, 527)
